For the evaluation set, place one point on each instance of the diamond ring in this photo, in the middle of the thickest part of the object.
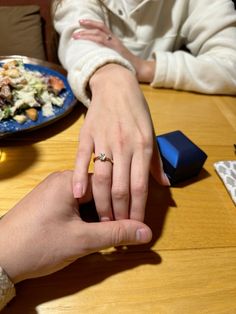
(102, 157)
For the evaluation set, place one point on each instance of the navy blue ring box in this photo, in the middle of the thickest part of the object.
(181, 158)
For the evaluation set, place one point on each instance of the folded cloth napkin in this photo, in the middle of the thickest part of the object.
(227, 171)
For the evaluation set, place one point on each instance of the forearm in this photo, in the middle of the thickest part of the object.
(209, 73)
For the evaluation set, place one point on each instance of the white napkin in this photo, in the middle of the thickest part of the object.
(227, 171)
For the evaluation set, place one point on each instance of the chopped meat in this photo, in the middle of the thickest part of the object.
(56, 84)
(5, 92)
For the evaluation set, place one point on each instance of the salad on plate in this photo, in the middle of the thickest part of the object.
(23, 93)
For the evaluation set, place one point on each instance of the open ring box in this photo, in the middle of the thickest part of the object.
(181, 158)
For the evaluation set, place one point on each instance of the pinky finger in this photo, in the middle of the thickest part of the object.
(156, 167)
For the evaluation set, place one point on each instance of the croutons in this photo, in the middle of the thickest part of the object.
(20, 118)
(32, 114)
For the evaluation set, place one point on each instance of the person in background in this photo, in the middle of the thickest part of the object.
(44, 233)
(108, 47)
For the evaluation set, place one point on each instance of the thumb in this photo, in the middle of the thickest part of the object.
(102, 235)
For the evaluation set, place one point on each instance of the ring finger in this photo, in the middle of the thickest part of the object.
(102, 185)
(121, 187)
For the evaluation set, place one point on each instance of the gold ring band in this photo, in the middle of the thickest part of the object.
(102, 157)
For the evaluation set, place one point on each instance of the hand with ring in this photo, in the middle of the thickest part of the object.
(119, 131)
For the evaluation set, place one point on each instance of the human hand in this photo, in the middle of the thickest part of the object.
(118, 123)
(98, 32)
(44, 232)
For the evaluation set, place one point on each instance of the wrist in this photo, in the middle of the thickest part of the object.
(111, 75)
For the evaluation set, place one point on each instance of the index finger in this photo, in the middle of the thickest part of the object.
(95, 24)
(83, 156)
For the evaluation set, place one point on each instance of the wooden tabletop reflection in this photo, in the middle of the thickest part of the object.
(190, 265)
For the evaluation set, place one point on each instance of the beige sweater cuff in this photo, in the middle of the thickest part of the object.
(7, 289)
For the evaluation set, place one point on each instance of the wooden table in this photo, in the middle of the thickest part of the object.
(190, 266)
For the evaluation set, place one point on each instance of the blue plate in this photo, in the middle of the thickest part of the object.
(8, 127)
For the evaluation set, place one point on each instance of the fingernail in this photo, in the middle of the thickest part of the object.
(78, 190)
(164, 175)
(76, 35)
(142, 235)
(103, 219)
(166, 179)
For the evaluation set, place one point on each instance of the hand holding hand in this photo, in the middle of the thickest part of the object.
(44, 232)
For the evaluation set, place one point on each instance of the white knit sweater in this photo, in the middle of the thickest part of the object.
(156, 29)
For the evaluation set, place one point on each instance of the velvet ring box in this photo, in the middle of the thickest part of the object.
(181, 158)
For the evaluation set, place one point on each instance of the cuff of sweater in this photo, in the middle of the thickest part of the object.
(79, 77)
(7, 289)
(162, 71)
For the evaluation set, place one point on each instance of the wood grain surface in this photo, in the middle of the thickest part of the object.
(190, 265)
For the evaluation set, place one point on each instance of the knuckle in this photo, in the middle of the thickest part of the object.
(120, 193)
(101, 41)
(145, 144)
(59, 179)
(145, 141)
(118, 235)
(97, 32)
(122, 141)
(148, 151)
(52, 177)
(139, 188)
(102, 178)
(63, 175)
(122, 137)
(83, 152)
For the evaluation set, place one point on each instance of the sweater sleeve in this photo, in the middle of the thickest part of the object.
(7, 290)
(82, 58)
(209, 32)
